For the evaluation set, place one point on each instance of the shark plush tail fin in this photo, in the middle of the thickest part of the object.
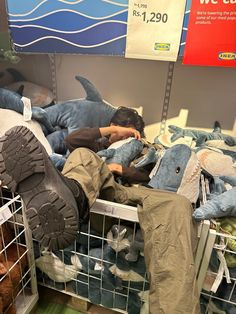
(217, 127)
(90, 89)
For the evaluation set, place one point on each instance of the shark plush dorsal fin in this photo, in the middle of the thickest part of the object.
(217, 127)
(91, 91)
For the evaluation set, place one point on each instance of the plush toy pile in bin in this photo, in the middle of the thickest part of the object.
(179, 159)
(108, 271)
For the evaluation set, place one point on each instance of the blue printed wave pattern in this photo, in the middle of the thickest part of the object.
(82, 26)
(67, 22)
(26, 10)
(85, 38)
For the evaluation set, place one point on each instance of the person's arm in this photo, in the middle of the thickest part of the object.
(88, 137)
(84, 137)
(120, 131)
(131, 174)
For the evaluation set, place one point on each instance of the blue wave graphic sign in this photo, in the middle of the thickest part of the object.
(69, 26)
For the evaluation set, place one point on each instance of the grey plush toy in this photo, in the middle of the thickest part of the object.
(136, 247)
(122, 238)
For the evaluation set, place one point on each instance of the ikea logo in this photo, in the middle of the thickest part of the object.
(227, 55)
(162, 46)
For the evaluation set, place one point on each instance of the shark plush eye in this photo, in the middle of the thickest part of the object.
(177, 170)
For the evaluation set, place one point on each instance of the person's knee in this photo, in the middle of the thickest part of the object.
(85, 156)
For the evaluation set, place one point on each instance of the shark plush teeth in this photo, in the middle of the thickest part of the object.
(178, 171)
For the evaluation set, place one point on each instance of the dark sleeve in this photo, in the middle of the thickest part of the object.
(133, 175)
(84, 137)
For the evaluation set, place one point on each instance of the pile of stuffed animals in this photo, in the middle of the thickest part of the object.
(176, 167)
(108, 271)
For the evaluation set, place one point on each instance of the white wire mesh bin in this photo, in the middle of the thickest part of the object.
(218, 293)
(105, 265)
(18, 285)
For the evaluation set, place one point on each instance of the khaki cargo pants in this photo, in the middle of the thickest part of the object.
(166, 222)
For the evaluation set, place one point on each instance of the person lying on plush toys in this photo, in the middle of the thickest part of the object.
(59, 120)
(125, 123)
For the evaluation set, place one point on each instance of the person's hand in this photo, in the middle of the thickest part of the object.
(115, 168)
(124, 132)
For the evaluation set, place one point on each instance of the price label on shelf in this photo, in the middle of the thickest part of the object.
(154, 29)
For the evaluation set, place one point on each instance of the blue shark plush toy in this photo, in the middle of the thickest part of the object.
(219, 206)
(91, 111)
(177, 171)
(198, 135)
(122, 152)
(66, 117)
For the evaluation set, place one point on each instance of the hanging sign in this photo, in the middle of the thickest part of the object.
(68, 26)
(211, 36)
(154, 29)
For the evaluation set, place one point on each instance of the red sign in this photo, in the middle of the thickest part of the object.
(211, 36)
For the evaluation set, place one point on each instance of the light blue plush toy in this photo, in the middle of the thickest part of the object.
(122, 152)
(199, 136)
(151, 156)
(177, 171)
(59, 120)
(221, 205)
(91, 111)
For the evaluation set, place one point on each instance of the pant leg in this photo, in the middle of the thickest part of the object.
(169, 234)
(170, 240)
(92, 173)
(97, 181)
